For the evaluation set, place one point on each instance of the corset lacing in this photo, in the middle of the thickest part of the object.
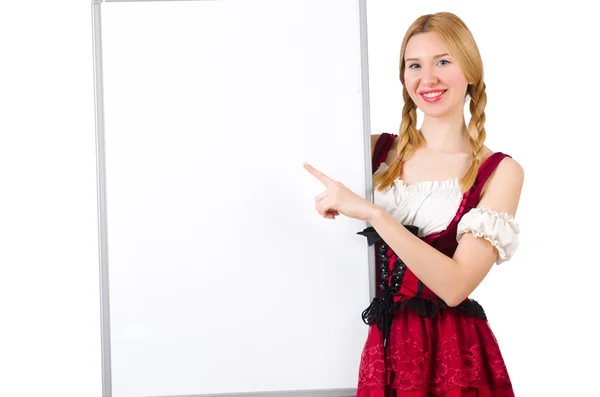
(382, 308)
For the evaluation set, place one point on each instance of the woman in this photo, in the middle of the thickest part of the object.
(443, 214)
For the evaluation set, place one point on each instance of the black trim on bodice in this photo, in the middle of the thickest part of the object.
(420, 288)
(382, 307)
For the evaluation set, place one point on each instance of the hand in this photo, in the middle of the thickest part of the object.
(339, 199)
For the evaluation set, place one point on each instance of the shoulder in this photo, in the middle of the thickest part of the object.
(510, 168)
(507, 168)
(502, 190)
(388, 137)
(374, 139)
(384, 147)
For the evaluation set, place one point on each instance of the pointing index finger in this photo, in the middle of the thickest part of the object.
(325, 180)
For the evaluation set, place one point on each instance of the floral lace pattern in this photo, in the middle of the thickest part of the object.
(449, 351)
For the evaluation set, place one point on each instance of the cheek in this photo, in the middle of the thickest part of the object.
(410, 80)
(411, 84)
(457, 80)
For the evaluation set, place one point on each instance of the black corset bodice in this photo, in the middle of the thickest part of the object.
(389, 298)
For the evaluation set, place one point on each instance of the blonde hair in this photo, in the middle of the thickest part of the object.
(461, 45)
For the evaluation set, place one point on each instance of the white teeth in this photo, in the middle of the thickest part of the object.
(433, 94)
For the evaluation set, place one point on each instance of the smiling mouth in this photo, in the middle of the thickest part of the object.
(432, 96)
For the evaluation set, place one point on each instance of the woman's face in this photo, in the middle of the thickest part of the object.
(432, 78)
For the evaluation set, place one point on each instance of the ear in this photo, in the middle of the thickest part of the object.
(467, 95)
(469, 89)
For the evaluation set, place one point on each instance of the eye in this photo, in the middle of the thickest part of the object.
(412, 66)
(443, 60)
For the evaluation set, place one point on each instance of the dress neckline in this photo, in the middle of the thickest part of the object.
(450, 181)
(443, 183)
(446, 183)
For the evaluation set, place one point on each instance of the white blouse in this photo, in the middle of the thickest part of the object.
(431, 206)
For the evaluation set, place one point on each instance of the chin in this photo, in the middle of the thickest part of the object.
(439, 110)
(431, 111)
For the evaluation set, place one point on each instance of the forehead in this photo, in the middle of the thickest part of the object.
(425, 45)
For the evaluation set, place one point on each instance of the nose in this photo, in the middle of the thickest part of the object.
(429, 76)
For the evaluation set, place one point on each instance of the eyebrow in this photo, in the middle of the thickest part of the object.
(417, 59)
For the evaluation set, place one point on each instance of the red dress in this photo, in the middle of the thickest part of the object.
(430, 349)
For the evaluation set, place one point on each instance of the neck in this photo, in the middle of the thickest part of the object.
(446, 134)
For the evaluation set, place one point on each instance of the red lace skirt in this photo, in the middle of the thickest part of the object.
(449, 355)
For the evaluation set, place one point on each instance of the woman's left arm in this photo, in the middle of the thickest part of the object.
(453, 279)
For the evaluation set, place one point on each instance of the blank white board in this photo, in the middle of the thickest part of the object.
(217, 274)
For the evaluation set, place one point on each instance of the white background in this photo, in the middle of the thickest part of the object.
(541, 73)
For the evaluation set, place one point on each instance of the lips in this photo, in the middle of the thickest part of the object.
(432, 95)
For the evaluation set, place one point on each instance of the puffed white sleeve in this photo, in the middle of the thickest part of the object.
(500, 229)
